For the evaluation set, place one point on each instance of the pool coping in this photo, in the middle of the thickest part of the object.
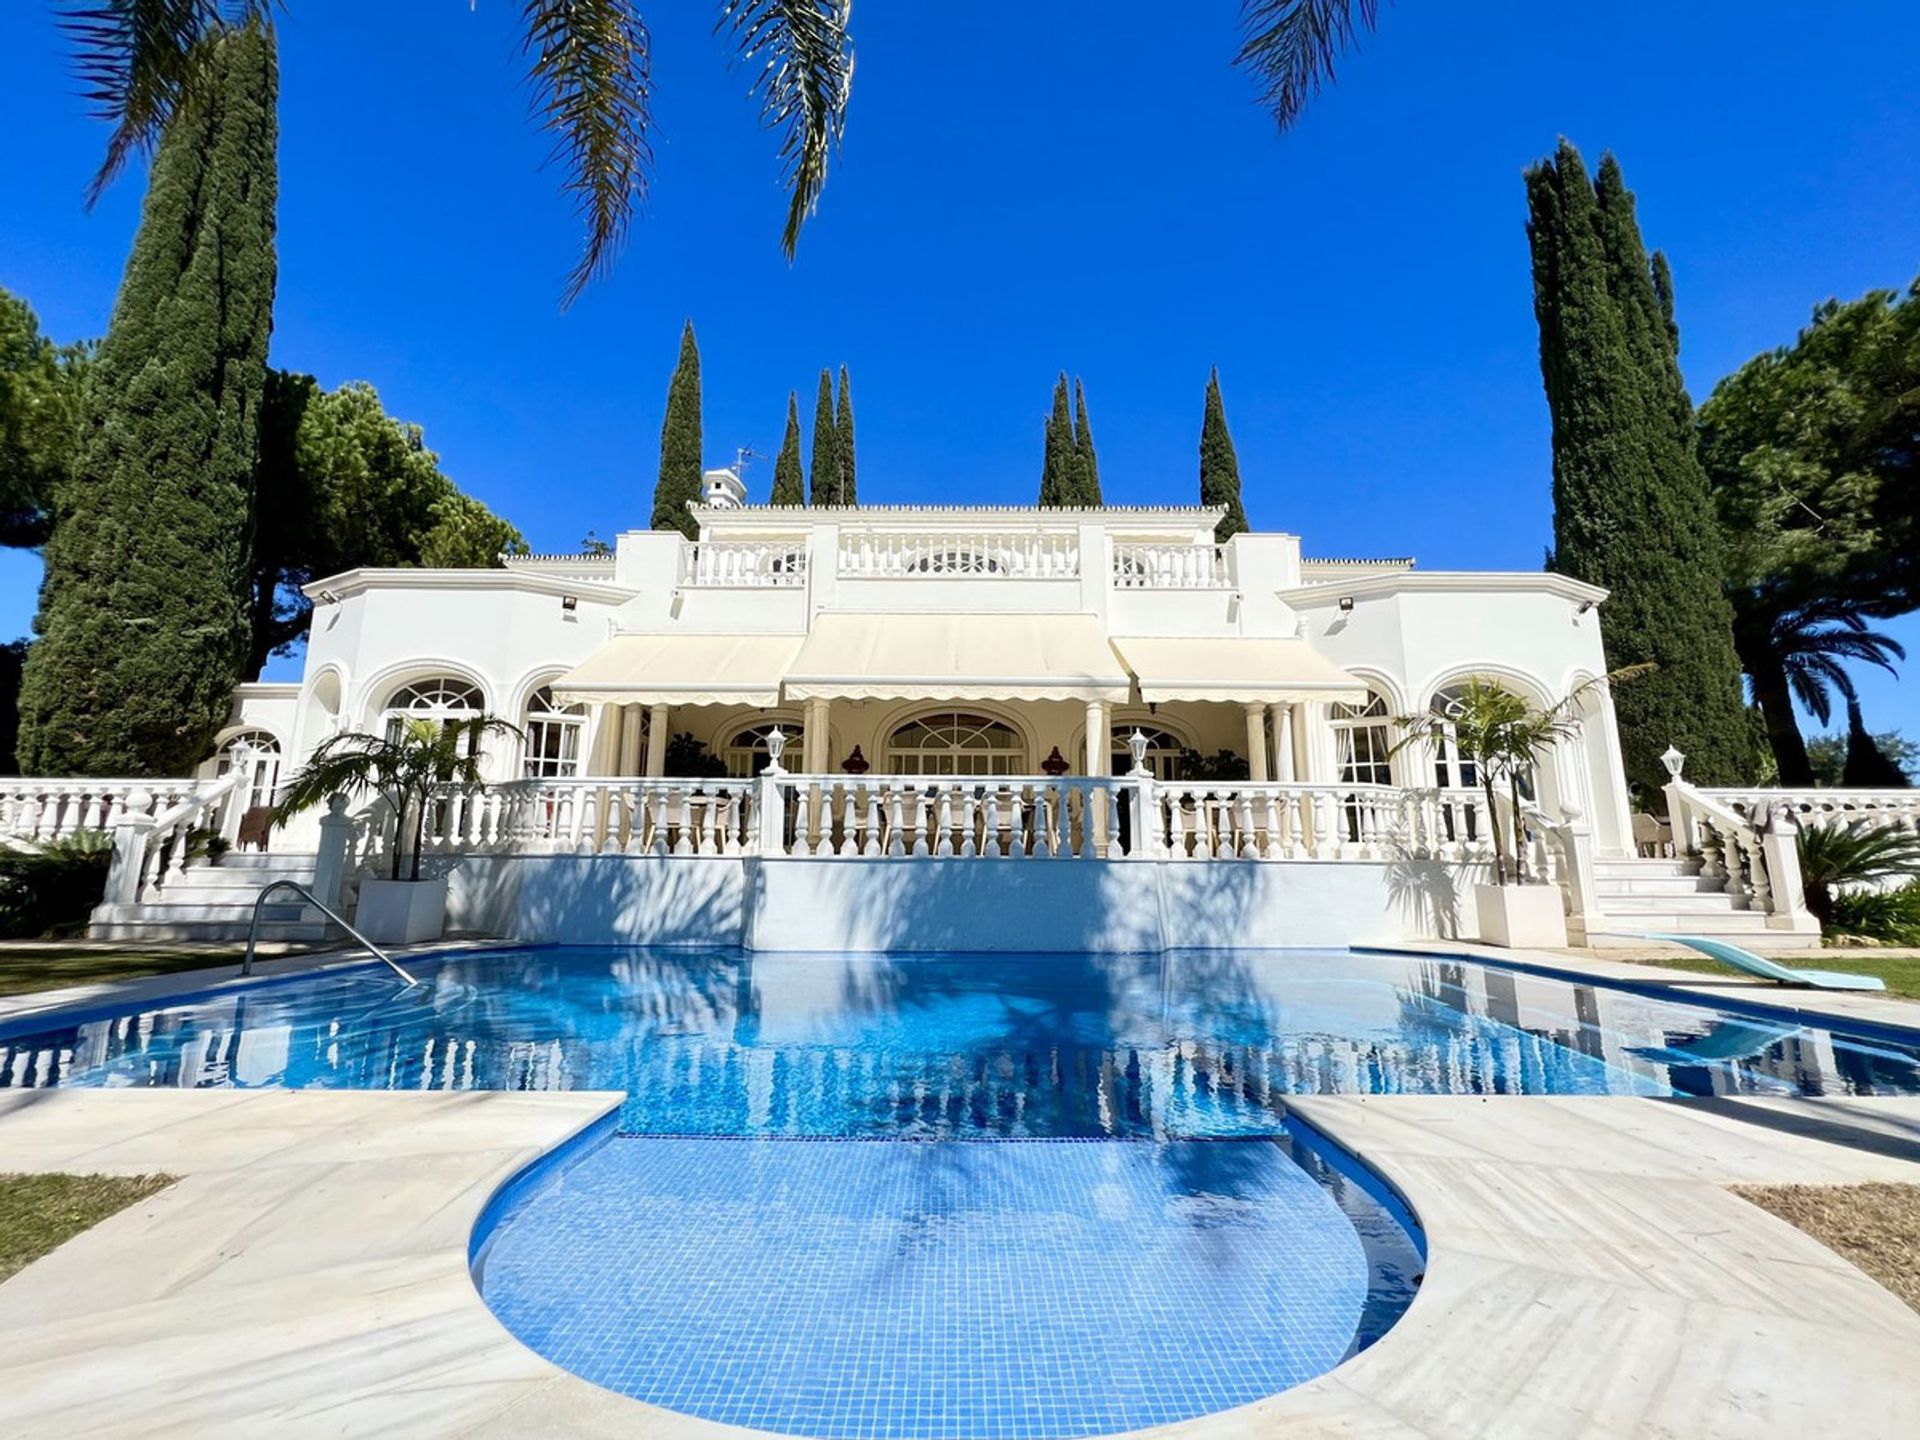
(1587, 1271)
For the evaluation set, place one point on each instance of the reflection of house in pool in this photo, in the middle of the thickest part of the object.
(1164, 1045)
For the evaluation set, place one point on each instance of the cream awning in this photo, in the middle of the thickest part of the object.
(682, 670)
(956, 657)
(1236, 669)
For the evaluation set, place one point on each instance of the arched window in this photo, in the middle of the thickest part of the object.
(1363, 742)
(747, 755)
(1164, 750)
(553, 735)
(956, 743)
(438, 699)
(262, 759)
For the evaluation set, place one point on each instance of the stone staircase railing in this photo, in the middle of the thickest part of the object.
(1748, 848)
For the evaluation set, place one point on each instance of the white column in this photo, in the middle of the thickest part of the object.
(632, 728)
(1283, 743)
(1308, 717)
(1099, 741)
(818, 716)
(657, 741)
(1256, 742)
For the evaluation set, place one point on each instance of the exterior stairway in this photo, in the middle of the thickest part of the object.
(1638, 896)
(214, 901)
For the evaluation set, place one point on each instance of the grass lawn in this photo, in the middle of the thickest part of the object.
(1899, 968)
(39, 1212)
(1876, 1227)
(49, 965)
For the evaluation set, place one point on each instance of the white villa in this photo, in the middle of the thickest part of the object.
(865, 728)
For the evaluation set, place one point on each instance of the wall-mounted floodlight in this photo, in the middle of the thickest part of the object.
(1346, 602)
(569, 603)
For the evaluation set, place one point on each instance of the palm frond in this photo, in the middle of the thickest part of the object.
(592, 84)
(1861, 852)
(804, 81)
(1290, 46)
(1810, 677)
(134, 58)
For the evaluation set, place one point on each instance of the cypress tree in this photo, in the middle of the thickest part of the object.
(789, 485)
(1060, 461)
(1631, 505)
(1088, 466)
(829, 480)
(144, 610)
(1868, 766)
(680, 444)
(843, 430)
(1219, 465)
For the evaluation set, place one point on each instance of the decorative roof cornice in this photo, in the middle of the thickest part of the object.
(1457, 582)
(528, 562)
(267, 689)
(357, 582)
(1405, 562)
(1194, 513)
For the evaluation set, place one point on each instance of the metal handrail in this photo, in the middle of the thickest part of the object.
(253, 930)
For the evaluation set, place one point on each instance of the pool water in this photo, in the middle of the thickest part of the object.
(1115, 1225)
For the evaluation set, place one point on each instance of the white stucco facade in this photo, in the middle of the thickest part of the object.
(504, 636)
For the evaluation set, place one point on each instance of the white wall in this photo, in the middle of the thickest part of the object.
(930, 904)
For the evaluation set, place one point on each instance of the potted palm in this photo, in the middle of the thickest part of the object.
(419, 764)
(1500, 735)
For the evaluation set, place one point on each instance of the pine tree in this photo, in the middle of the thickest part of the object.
(1060, 461)
(1219, 465)
(829, 479)
(843, 430)
(1631, 506)
(1088, 466)
(680, 444)
(789, 485)
(144, 610)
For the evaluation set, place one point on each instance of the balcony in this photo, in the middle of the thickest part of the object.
(951, 555)
(743, 565)
(1169, 567)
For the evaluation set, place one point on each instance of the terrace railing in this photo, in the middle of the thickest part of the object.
(155, 835)
(986, 555)
(1748, 846)
(743, 564)
(1820, 807)
(1169, 567)
(34, 810)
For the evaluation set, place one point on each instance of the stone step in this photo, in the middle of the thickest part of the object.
(1636, 868)
(1756, 937)
(173, 928)
(230, 884)
(275, 860)
(1718, 903)
(1656, 885)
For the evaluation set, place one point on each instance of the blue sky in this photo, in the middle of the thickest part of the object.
(1025, 189)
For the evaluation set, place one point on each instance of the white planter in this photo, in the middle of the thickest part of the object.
(1521, 916)
(401, 912)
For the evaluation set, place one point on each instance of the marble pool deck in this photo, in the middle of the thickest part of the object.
(1589, 1274)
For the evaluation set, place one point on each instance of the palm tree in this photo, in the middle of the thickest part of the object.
(1795, 655)
(418, 763)
(589, 62)
(1502, 735)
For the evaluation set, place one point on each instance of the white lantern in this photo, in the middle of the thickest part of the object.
(776, 747)
(1137, 743)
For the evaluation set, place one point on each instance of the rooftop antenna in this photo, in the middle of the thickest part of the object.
(742, 458)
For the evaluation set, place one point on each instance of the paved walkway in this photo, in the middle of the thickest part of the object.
(1587, 1275)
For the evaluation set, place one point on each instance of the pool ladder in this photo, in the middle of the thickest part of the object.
(259, 903)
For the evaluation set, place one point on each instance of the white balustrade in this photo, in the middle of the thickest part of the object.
(159, 829)
(1817, 807)
(747, 564)
(1169, 567)
(987, 554)
(586, 817)
(952, 817)
(35, 810)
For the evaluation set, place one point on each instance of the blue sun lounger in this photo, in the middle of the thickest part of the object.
(1765, 969)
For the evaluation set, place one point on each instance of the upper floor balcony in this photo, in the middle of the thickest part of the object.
(874, 554)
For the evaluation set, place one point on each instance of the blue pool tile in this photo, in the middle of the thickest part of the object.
(900, 1290)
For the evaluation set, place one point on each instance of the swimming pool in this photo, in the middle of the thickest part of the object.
(1117, 1227)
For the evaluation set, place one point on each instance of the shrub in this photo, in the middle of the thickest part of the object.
(52, 887)
(1892, 916)
(1859, 853)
